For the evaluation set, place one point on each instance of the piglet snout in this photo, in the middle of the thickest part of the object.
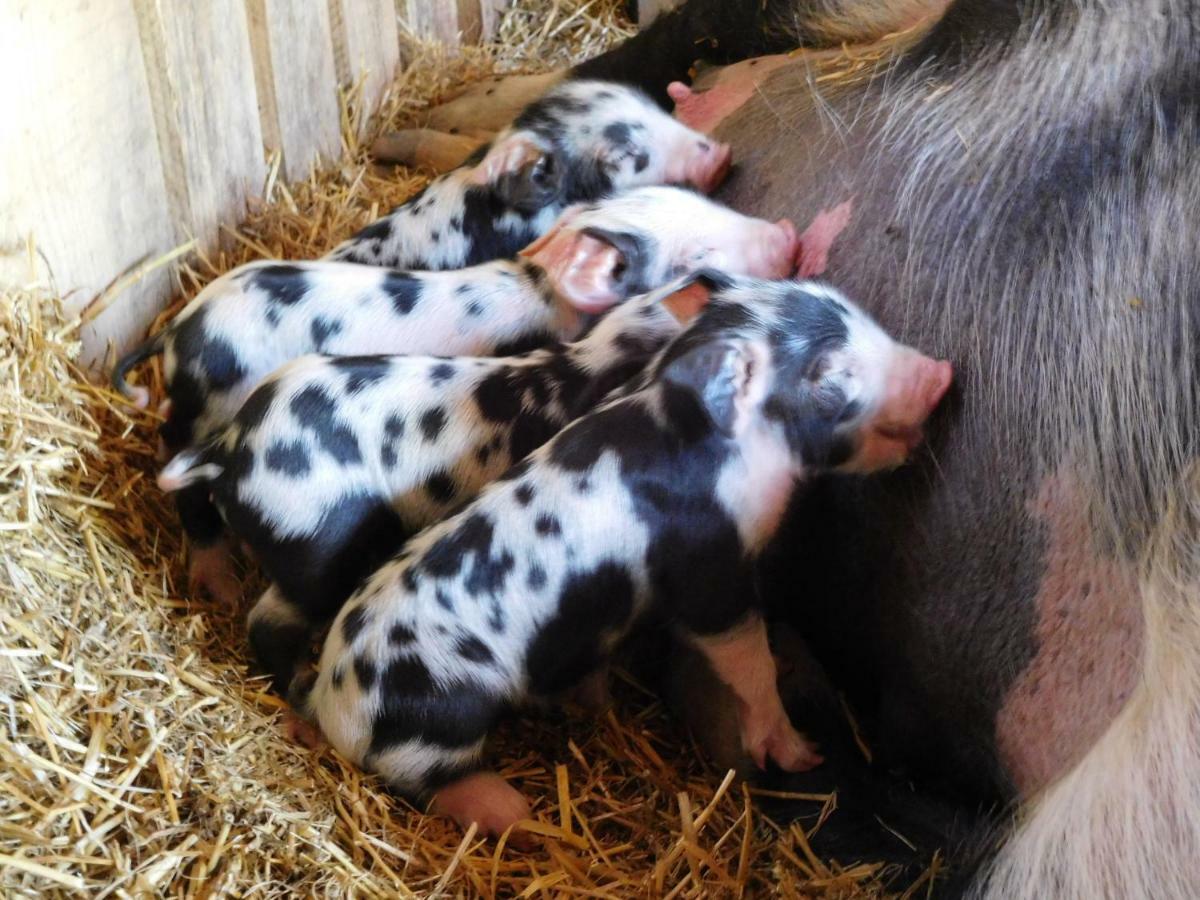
(773, 252)
(915, 386)
(710, 165)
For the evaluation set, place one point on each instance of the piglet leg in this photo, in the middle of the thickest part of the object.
(742, 659)
(483, 798)
(210, 569)
(425, 147)
(491, 104)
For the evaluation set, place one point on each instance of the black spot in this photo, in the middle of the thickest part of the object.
(313, 410)
(456, 223)
(283, 284)
(469, 547)
(640, 161)
(547, 525)
(410, 578)
(618, 133)
(387, 455)
(435, 236)
(524, 493)
(432, 422)
(400, 634)
(473, 649)
(474, 308)
(536, 579)
(362, 371)
(364, 670)
(496, 398)
(583, 485)
(394, 426)
(322, 330)
(441, 372)
(356, 619)
(288, 459)
(443, 600)
(220, 364)
(440, 487)
(483, 453)
(414, 707)
(404, 291)
(380, 231)
(568, 646)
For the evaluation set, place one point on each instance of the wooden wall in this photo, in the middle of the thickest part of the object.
(128, 127)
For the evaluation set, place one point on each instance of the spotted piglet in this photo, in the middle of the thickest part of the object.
(333, 462)
(249, 322)
(659, 500)
(581, 141)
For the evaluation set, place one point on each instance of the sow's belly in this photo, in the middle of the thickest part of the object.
(961, 600)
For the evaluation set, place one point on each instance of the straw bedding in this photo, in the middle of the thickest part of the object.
(138, 757)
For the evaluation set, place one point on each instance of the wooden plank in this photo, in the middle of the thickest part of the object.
(470, 21)
(296, 81)
(366, 44)
(79, 163)
(201, 79)
(437, 21)
(490, 12)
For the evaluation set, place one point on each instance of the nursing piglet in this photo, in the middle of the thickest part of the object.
(581, 141)
(246, 324)
(334, 462)
(659, 500)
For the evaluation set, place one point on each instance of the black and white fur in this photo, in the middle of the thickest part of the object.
(581, 141)
(333, 463)
(660, 500)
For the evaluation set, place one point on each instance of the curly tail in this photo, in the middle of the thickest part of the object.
(195, 465)
(139, 395)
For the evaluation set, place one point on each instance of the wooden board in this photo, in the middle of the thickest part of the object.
(296, 81)
(438, 21)
(205, 108)
(366, 44)
(79, 162)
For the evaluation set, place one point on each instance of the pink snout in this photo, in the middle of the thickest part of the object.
(773, 253)
(709, 165)
(915, 386)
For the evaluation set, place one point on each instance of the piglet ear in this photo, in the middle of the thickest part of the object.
(686, 297)
(509, 154)
(583, 269)
(561, 222)
(719, 373)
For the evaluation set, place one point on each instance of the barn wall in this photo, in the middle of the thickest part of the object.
(128, 127)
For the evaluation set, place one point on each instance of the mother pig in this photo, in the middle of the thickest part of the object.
(1014, 186)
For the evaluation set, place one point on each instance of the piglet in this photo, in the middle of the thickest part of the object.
(581, 141)
(658, 501)
(334, 462)
(249, 322)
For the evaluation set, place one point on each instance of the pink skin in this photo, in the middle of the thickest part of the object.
(507, 156)
(702, 163)
(773, 254)
(303, 732)
(812, 255)
(704, 110)
(742, 659)
(915, 386)
(211, 570)
(582, 267)
(485, 799)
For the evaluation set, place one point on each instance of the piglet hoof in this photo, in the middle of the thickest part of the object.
(592, 694)
(488, 801)
(780, 742)
(211, 570)
(300, 731)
